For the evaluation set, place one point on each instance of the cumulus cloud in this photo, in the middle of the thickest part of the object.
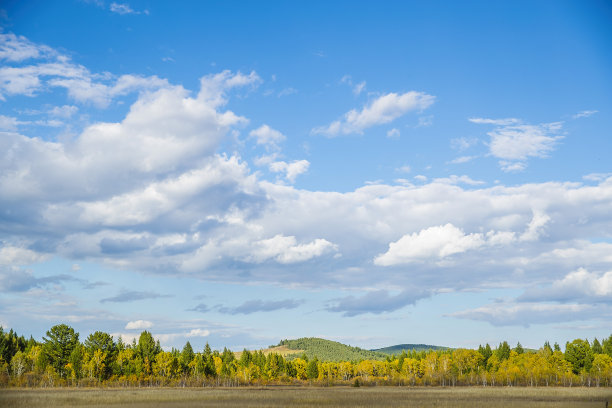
(198, 333)
(16, 256)
(383, 109)
(291, 170)
(138, 325)
(151, 193)
(15, 48)
(379, 301)
(267, 136)
(286, 250)
(50, 69)
(514, 142)
(578, 285)
(434, 242)
(439, 242)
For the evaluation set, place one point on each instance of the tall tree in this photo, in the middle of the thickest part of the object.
(103, 342)
(186, 357)
(503, 351)
(58, 345)
(596, 347)
(579, 354)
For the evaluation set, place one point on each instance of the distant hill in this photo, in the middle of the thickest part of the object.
(327, 350)
(397, 349)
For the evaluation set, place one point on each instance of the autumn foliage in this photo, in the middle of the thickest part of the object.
(62, 360)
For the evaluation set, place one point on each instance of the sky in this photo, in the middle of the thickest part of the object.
(374, 173)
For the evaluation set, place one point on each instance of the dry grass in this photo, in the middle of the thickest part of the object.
(282, 350)
(309, 397)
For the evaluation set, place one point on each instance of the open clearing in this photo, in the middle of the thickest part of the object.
(309, 397)
(282, 350)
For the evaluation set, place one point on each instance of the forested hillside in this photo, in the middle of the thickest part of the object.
(399, 348)
(327, 350)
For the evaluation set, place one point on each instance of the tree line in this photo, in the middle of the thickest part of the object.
(61, 359)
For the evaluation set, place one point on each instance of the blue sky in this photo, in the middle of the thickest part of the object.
(239, 173)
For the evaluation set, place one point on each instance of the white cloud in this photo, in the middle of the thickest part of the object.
(82, 85)
(514, 142)
(498, 122)
(383, 109)
(291, 170)
(8, 123)
(358, 88)
(214, 87)
(286, 250)
(393, 133)
(454, 179)
(138, 325)
(14, 255)
(65, 111)
(442, 241)
(578, 285)
(462, 159)
(584, 114)
(198, 333)
(433, 242)
(267, 136)
(123, 9)
(15, 48)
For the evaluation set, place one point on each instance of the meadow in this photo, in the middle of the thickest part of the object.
(259, 397)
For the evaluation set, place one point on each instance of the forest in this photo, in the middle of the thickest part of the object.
(61, 359)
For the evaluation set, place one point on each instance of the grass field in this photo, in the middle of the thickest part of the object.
(309, 397)
(282, 350)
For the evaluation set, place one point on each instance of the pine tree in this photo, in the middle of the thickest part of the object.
(58, 345)
(186, 356)
(519, 348)
(596, 347)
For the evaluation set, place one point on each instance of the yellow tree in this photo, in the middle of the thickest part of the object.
(166, 365)
(300, 368)
(601, 369)
(430, 366)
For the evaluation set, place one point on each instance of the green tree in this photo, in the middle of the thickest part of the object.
(519, 348)
(607, 346)
(103, 342)
(58, 345)
(596, 347)
(147, 348)
(312, 369)
(503, 351)
(579, 354)
(76, 360)
(186, 357)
